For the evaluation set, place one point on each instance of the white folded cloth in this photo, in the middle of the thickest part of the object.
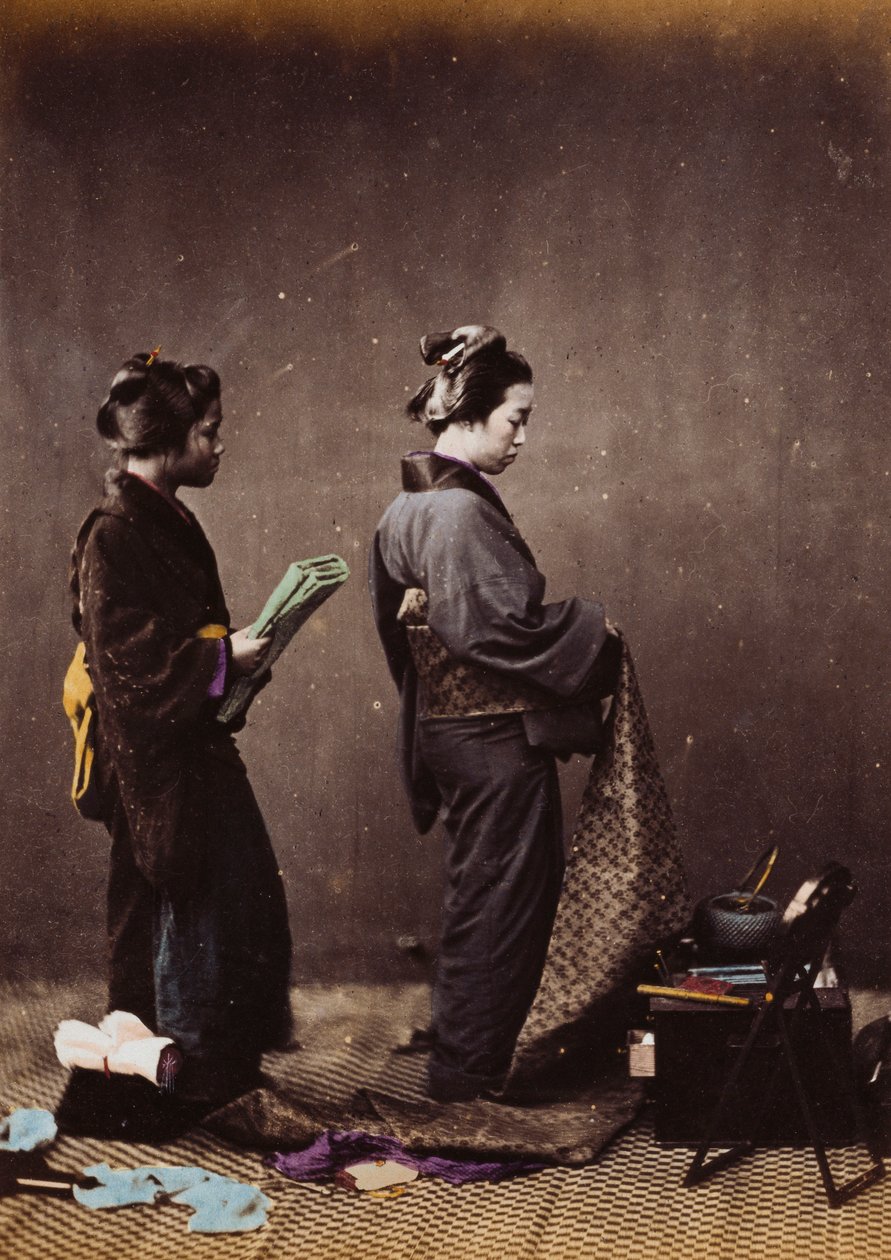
(121, 1044)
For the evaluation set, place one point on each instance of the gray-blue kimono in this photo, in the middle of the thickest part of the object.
(493, 684)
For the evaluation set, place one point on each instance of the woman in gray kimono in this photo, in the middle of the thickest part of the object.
(494, 683)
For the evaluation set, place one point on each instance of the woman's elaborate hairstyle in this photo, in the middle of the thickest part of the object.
(153, 403)
(475, 370)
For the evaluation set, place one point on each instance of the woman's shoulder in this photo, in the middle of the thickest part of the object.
(107, 535)
(454, 503)
(109, 507)
(132, 511)
(115, 523)
(437, 514)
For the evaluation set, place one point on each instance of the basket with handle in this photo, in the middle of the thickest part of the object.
(744, 920)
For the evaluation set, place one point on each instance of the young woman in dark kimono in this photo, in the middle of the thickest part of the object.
(494, 683)
(197, 922)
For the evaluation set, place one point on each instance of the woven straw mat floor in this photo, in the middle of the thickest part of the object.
(628, 1204)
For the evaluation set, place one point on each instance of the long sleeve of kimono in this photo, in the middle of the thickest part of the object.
(151, 675)
(485, 598)
(150, 681)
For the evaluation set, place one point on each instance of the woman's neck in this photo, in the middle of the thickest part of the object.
(153, 468)
(451, 442)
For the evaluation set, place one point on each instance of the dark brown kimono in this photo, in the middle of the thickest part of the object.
(197, 923)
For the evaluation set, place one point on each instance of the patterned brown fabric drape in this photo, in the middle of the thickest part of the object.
(624, 889)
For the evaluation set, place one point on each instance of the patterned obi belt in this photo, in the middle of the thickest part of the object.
(451, 688)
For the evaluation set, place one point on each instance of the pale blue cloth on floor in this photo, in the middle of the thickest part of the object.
(27, 1129)
(221, 1205)
(224, 1206)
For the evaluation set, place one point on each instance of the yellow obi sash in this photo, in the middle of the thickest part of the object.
(79, 703)
(452, 688)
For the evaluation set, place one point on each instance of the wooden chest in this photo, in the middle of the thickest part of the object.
(695, 1049)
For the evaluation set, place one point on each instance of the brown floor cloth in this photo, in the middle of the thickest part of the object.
(569, 1132)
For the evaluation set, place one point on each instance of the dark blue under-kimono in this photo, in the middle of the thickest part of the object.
(197, 922)
(494, 683)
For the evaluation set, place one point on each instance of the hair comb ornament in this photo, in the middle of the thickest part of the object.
(154, 354)
(445, 360)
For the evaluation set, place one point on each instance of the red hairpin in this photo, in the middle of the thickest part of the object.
(154, 354)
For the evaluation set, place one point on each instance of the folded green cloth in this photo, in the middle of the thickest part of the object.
(304, 588)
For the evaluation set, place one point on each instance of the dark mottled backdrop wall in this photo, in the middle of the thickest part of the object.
(683, 224)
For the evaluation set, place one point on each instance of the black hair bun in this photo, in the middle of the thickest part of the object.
(126, 388)
(453, 349)
(152, 403)
(130, 382)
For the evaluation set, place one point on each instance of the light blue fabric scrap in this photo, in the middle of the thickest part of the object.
(221, 1205)
(27, 1129)
(121, 1187)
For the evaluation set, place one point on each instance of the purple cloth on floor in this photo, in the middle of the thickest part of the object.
(334, 1150)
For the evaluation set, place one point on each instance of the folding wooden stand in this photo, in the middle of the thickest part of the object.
(808, 926)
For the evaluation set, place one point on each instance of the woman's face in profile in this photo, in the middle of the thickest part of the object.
(493, 444)
(197, 463)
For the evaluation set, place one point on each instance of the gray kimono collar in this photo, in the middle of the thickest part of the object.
(425, 470)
